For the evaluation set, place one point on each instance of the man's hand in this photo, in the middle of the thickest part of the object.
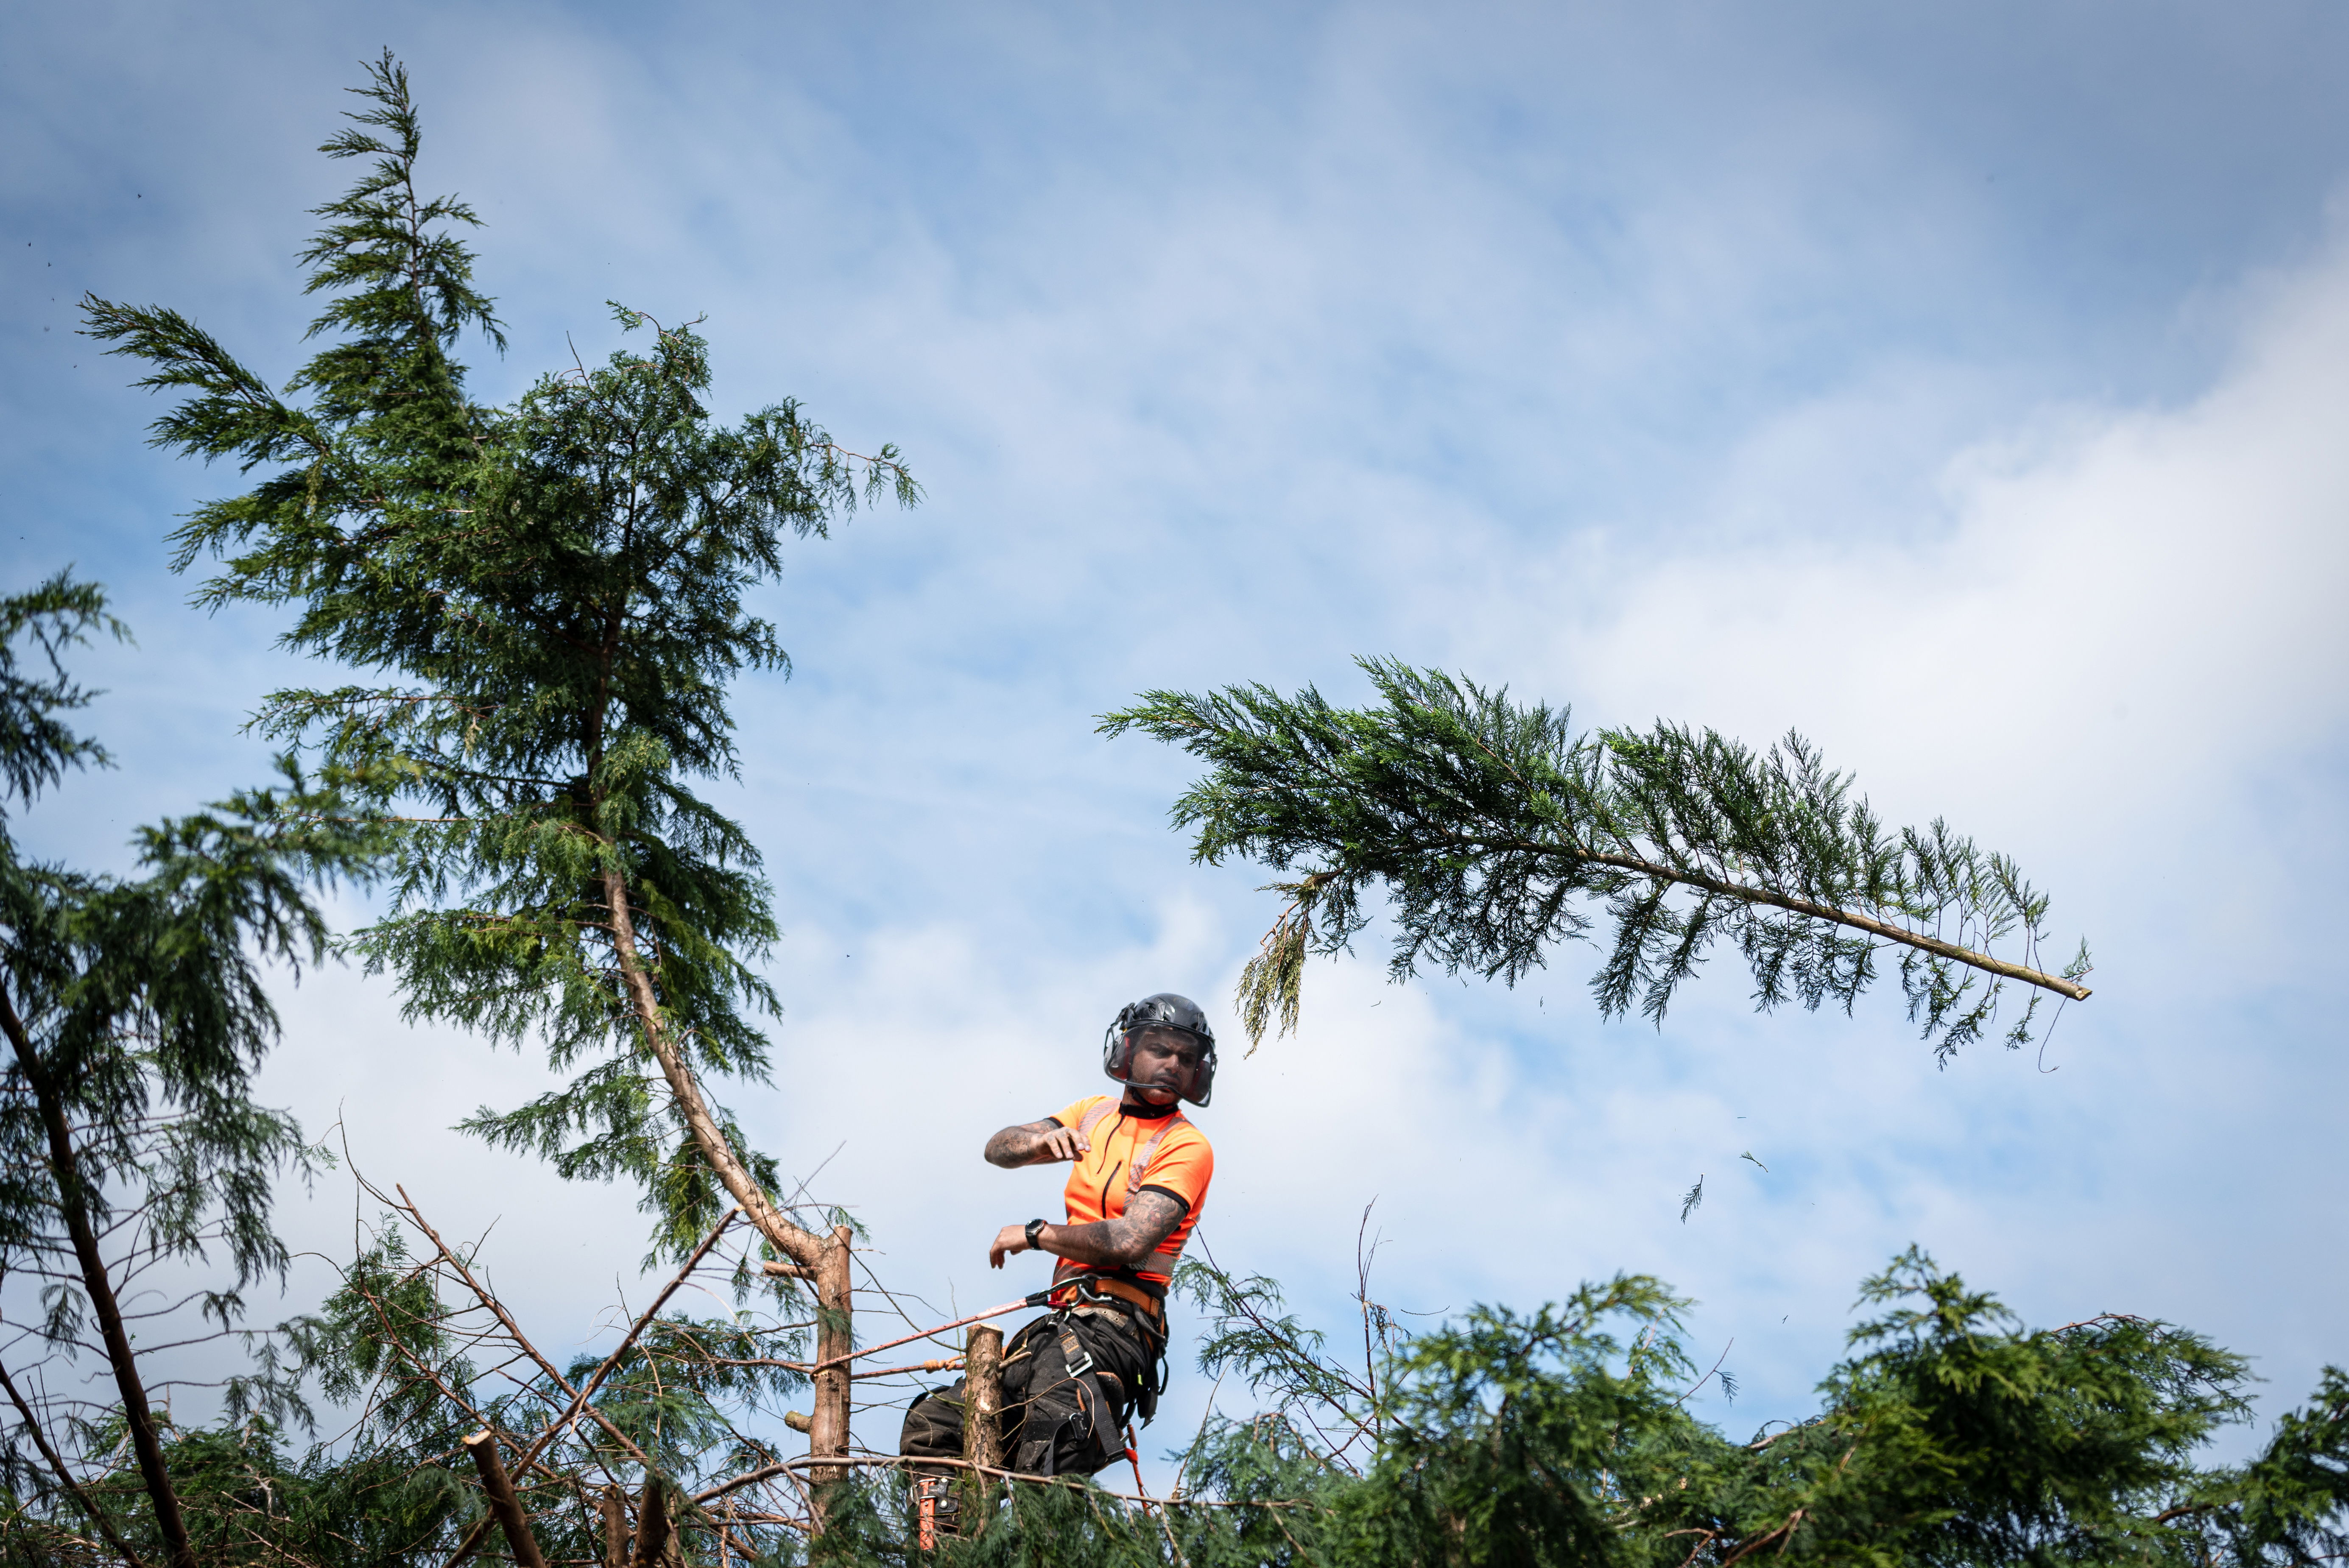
(1042, 1142)
(1010, 1240)
(1062, 1143)
(1121, 1243)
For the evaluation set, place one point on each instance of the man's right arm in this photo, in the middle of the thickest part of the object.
(1035, 1143)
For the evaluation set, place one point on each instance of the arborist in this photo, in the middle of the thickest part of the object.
(1074, 1377)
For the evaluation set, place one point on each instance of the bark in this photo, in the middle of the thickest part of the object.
(835, 1339)
(504, 1506)
(614, 1510)
(982, 1410)
(99, 1286)
(801, 1246)
(652, 1526)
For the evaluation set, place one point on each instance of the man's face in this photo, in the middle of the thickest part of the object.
(1163, 1065)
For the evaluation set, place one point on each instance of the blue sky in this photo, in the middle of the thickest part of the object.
(1959, 385)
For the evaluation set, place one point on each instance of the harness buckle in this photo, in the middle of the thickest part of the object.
(1072, 1351)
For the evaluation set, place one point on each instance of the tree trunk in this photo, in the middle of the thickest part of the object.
(834, 1337)
(982, 1424)
(652, 1526)
(982, 1410)
(825, 1259)
(614, 1510)
(801, 1246)
(99, 1285)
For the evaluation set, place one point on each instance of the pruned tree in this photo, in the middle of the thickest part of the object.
(1493, 829)
(136, 1013)
(548, 602)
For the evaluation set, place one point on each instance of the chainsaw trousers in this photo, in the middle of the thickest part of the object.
(1060, 1415)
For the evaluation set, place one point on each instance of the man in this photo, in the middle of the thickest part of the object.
(1073, 1378)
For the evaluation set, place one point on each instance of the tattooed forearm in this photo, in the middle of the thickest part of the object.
(1121, 1243)
(1034, 1143)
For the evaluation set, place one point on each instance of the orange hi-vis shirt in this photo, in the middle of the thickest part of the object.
(1129, 1154)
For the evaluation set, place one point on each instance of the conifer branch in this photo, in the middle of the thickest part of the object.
(58, 1467)
(1490, 826)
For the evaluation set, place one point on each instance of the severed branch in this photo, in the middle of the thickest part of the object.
(643, 1321)
(513, 1330)
(1810, 910)
(504, 1506)
(1487, 821)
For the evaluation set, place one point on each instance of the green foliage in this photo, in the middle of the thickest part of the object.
(1950, 1436)
(249, 1500)
(36, 745)
(1491, 826)
(141, 1000)
(548, 603)
(136, 1015)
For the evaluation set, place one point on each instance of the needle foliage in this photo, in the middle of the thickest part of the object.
(1950, 1436)
(1495, 833)
(136, 1013)
(546, 603)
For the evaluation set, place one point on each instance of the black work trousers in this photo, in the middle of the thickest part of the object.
(1056, 1420)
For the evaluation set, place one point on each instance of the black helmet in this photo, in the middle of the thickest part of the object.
(1168, 1011)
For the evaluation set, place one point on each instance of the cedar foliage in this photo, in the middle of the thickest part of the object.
(1492, 827)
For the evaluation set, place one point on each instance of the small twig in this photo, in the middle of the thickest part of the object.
(935, 1364)
(1708, 1377)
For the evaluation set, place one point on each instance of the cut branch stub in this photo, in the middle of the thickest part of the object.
(836, 1339)
(982, 1415)
(504, 1506)
(652, 1526)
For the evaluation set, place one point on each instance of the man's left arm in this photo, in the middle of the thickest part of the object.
(1149, 1219)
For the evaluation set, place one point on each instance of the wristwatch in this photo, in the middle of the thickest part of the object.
(1035, 1235)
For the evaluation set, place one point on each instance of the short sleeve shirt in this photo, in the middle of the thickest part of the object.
(1181, 1166)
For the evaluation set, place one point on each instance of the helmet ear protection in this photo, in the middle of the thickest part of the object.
(1171, 1013)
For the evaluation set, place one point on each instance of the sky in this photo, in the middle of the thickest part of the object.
(1956, 386)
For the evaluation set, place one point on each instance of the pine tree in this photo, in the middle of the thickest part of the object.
(1491, 826)
(548, 600)
(136, 1013)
